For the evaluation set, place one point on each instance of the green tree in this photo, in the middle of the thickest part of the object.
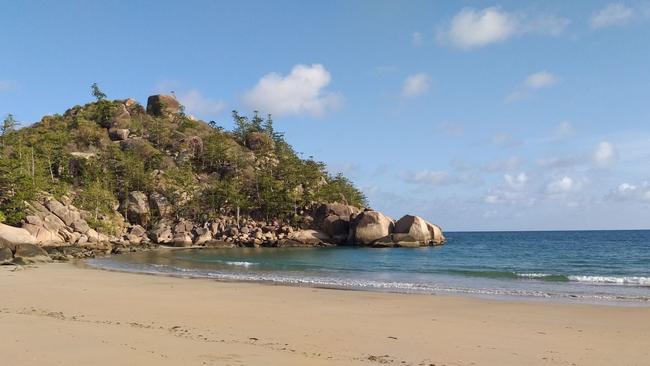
(97, 93)
(9, 125)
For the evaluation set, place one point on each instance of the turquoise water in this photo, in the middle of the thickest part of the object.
(586, 266)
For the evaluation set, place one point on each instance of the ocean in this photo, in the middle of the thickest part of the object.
(568, 266)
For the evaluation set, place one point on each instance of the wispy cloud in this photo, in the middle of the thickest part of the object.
(302, 91)
(605, 154)
(613, 14)
(472, 28)
(533, 82)
(415, 85)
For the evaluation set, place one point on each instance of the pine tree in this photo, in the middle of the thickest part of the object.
(97, 93)
(8, 126)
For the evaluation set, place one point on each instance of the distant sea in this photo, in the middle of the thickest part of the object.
(574, 266)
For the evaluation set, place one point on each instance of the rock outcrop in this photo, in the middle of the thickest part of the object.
(56, 223)
(30, 253)
(412, 231)
(370, 226)
(308, 237)
(6, 256)
(11, 236)
(137, 209)
(162, 105)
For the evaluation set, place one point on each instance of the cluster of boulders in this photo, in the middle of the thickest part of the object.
(224, 232)
(55, 222)
(57, 229)
(343, 224)
(18, 246)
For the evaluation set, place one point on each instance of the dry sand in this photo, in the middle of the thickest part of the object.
(59, 314)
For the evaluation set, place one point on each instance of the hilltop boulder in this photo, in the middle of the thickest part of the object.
(120, 118)
(162, 105)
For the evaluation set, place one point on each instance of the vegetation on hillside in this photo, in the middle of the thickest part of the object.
(203, 170)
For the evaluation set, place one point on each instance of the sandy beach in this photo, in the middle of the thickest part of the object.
(61, 314)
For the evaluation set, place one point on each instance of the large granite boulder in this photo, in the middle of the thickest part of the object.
(119, 118)
(63, 212)
(309, 237)
(6, 255)
(42, 234)
(160, 205)
(161, 233)
(413, 231)
(333, 209)
(183, 239)
(138, 208)
(437, 236)
(334, 220)
(30, 253)
(370, 226)
(337, 227)
(415, 226)
(11, 236)
(202, 235)
(118, 134)
(162, 105)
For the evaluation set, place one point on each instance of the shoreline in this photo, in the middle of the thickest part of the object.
(321, 283)
(64, 314)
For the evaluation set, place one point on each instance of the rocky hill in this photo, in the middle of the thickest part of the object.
(113, 174)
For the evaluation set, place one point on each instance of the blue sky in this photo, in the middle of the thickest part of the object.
(478, 115)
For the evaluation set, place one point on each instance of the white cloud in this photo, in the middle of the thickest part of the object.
(428, 177)
(472, 28)
(605, 154)
(516, 181)
(611, 15)
(415, 85)
(562, 186)
(416, 39)
(631, 192)
(513, 191)
(299, 92)
(540, 80)
(535, 81)
(195, 103)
